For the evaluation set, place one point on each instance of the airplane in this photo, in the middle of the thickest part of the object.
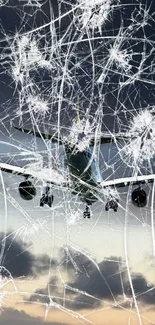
(85, 179)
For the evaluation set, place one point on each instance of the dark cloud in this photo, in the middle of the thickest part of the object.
(93, 282)
(106, 279)
(110, 280)
(14, 317)
(145, 292)
(19, 261)
(103, 280)
(139, 284)
(72, 261)
(42, 295)
(56, 291)
(72, 300)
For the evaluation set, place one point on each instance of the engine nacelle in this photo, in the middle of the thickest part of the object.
(27, 190)
(139, 198)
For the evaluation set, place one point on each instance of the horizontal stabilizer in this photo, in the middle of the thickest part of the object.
(108, 138)
(41, 135)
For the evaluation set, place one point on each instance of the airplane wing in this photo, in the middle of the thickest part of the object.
(53, 177)
(133, 180)
(45, 174)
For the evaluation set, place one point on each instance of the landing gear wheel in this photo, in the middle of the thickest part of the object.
(47, 198)
(106, 208)
(115, 205)
(86, 213)
(42, 200)
(47, 189)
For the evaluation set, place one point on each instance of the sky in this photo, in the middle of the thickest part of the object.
(55, 266)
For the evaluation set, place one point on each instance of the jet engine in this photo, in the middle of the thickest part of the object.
(139, 198)
(27, 190)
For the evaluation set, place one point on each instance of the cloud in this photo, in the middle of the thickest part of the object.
(106, 279)
(139, 284)
(42, 264)
(84, 302)
(91, 282)
(52, 288)
(13, 317)
(19, 261)
(145, 292)
(55, 290)
(103, 280)
(72, 260)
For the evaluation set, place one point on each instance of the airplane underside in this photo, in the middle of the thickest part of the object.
(85, 177)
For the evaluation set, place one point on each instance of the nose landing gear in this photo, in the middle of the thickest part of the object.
(46, 198)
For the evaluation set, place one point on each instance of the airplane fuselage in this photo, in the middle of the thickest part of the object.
(85, 174)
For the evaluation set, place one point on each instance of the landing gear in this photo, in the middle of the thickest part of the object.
(112, 204)
(87, 212)
(46, 198)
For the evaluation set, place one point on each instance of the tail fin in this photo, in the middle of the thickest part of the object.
(42, 135)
